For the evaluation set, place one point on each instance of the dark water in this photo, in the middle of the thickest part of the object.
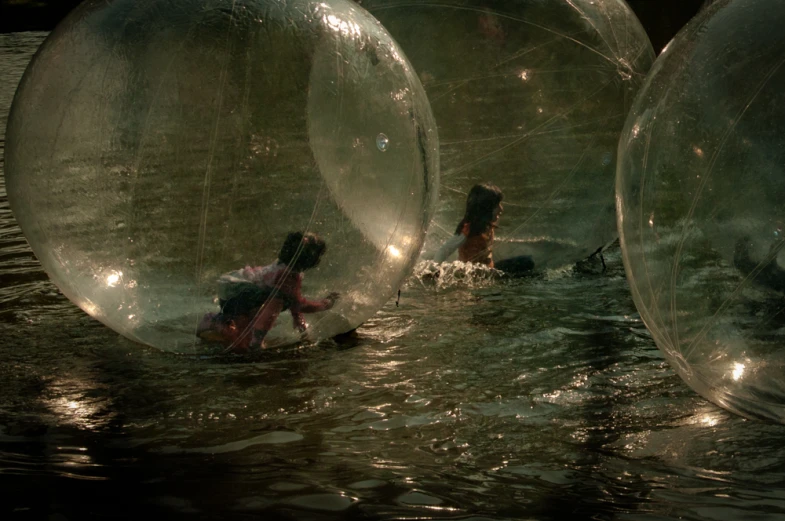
(539, 399)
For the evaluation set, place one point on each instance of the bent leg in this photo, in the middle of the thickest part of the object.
(268, 314)
(263, 322)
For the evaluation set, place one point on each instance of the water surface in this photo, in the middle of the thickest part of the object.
(472, 399)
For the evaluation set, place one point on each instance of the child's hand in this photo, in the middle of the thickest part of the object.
(332, 298)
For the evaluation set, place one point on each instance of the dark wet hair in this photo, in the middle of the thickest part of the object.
(481, 204)
(302, 251)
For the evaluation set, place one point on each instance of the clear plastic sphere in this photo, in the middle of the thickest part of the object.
(530, 95)
(154, 145)
(701, 212)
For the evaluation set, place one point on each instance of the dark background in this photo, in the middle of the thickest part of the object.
(661, 18)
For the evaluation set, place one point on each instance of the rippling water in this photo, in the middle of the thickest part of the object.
(473, 399)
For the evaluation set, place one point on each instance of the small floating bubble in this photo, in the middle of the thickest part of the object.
(382, 142)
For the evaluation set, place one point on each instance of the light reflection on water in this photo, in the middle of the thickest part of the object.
(537, 398)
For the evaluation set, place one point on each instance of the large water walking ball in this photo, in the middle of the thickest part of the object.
(530, 95)
(154, 145)
(701, 205)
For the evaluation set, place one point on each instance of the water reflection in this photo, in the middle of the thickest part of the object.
(475, 397)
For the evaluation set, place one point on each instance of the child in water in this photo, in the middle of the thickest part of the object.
(475, 234)
(252, 298)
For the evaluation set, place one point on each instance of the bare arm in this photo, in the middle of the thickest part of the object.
(449, 247)
(314, 306)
